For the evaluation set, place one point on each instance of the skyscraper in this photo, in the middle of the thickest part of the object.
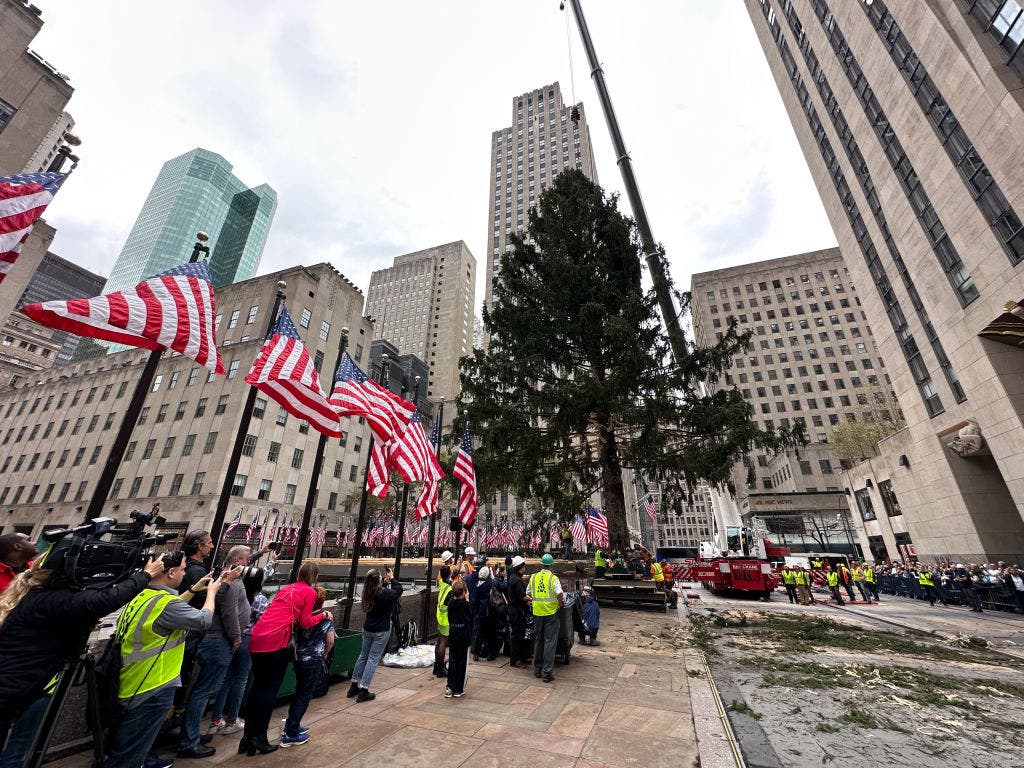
(423, 304)
(197, 192)
(545, 137)
(912, 128)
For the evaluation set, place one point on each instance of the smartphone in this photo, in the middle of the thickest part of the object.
(216, 572)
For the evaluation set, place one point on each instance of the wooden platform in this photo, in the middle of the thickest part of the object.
(637, 592)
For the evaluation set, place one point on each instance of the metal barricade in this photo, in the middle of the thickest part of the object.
(993, 596)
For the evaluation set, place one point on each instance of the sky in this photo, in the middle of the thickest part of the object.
(372, 120)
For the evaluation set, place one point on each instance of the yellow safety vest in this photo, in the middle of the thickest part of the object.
(656, 572)
(869, 575)
(542, 590)
(803, 578)
(442, 610)
(599, 559)
(925, 579)
(833, 579)
(789, 577)
(148, 660)
(858, 574)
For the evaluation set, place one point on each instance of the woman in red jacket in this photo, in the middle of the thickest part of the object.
(268, 644)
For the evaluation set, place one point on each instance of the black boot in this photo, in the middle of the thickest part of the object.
(243, 745)
(260, 747)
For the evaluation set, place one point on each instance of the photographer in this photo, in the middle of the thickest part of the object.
(44, 623)
(197, 546)
(153, 626)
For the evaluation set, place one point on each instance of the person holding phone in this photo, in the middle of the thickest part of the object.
(380, 592)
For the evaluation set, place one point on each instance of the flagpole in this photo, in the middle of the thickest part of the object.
(400, 544)
(430, 535)
(314, 481)
(360, 522)
(243, 430)
(131, 414)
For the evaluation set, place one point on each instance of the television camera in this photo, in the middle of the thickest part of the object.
(102, 552)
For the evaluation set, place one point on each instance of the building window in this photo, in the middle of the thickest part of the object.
(889, 501)
(264, 492)
(180, 413)
(148, 450)
(259, 408)
(352, 470)
(133, 491)
(201, 407)
(305, 318)
(867, 509)
(197, 484)
(249, 445)
(233, 369)
(161, 414)
(325, 330)
(168, 446)
(222, 405)
(6, 113)
(154, 486)
(95, 454)
(357, 445)
(282, 416)
(297, 458)
(192, 376)
(234, 318)
(190, 441)
(211, 441)
(157, 381)
(289, 494)
(273, 452)
(238, 485)
(176, 484)
(252, 315)
(115, 489)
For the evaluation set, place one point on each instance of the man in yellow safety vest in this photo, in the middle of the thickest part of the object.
(151, 629)
(444, 591)
(833, 584)
(802, 577)
(544, 593)
(789, 582)
(600, 565)
(869, 579)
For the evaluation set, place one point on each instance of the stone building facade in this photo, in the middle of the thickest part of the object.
(911, 118)
(58, 427)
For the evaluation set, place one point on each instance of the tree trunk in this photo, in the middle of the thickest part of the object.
(614, 495)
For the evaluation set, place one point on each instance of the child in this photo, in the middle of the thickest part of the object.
(460, 632)
(311, 649)
(591, 617)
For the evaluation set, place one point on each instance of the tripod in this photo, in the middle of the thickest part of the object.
(76, 671)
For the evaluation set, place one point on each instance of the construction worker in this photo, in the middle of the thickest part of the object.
(869, 579)
(789, 582)
(832, 577)
(153, 629)
(545, 595)
(858, 579)
(669, 582)
(444, 588)
(600, 565)
(927, 581)
(802, 581)
(846, 580)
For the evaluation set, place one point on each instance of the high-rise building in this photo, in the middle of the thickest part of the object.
(52, 142)
(910, 122)
(59, 424)
(423, 305)
(197, 192)
(544, 138)
(58, 278)
(811, 361)
(33, 93)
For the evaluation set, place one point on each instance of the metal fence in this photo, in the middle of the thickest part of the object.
(993, 596)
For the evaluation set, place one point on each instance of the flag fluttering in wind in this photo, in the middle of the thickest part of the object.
(252, 526)
(174, 310)
(597, 526)
(23, 198)
(378, 474)
(285, 371)
(427, 502)
(578, 530)
(356, 394)
(465, 471)
(651, 508)
(413, 457)
(234, 524)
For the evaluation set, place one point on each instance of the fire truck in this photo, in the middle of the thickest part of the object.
(742, 566)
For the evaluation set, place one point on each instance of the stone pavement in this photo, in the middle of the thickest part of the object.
(625, 703)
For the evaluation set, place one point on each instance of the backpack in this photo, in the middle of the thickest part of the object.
(499, 603)
(108, 683)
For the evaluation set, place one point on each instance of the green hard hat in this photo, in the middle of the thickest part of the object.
(547, 559)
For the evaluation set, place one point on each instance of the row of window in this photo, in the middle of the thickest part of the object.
(1003, 20)
(1005, 223)
(935, 232)
(33, 492)
(39, 404)
(911, 351)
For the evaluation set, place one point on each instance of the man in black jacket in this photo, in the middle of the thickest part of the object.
(197, 546)
(518, 611)
(49, 626)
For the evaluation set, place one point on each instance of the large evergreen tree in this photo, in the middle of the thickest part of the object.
(578, 382)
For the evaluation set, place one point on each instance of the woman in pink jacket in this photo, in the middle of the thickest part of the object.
(291, 608)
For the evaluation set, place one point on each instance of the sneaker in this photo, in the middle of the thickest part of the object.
(352, 690)
(216, 726)
(160, 762)
(448, 693)
(459, 695)
(294, 741)
(365, 695)
(231, 726)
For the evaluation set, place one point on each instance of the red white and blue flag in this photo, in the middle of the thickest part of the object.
(356, 394)
(234, 524)
(413, 457)
(464, 470)
(174, 310)
(284, 371)
(578, 530)
(597, 526)
(252, 526)
(650, 508)
(426, 504)
(23, 198)
(378, 474)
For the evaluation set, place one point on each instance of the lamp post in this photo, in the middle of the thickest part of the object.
(68, 140)
(433, 521)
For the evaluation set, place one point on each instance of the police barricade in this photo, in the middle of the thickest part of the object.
(992, 596)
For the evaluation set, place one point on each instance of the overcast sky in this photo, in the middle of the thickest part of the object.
(372, 120)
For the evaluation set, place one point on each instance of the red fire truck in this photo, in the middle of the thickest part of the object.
(744, 566)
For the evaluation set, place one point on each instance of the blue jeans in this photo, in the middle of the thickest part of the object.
(138, 730)
(307, 677)
(213, 658)
(229, 697)
(374, 644)
(20, 738)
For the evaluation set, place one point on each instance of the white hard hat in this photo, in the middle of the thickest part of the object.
(484, 572)
(470, 551)
(517, 561)
(446, 556)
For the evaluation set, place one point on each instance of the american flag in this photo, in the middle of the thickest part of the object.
(337, 536)
(597, 526)
(378, 475)
(234, 524)
(651, 508)
(252, 527)
(464, 471)
(578, 530)
(427, 502)
(413, 456)
(174, 309)
(23, 198)
(284, 370)
(356, 394)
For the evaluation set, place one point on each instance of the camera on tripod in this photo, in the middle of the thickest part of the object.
(101, 552)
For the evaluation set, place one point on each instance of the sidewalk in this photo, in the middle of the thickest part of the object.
(625, 703)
